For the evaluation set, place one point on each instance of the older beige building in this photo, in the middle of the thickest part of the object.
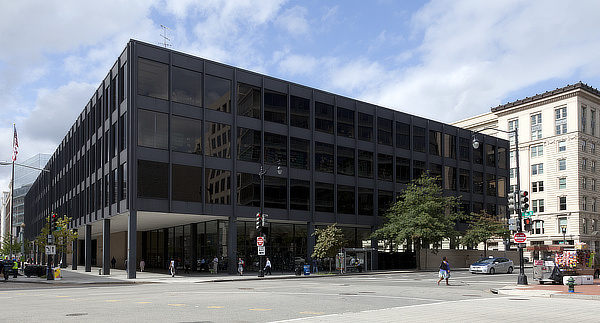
(559, 139)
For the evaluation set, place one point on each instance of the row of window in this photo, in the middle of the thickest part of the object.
(538, 227)
(560, 122)
(584, 123)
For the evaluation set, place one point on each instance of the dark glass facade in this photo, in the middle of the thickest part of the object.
(162, 143)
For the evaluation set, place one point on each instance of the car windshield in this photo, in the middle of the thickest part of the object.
(486, 261)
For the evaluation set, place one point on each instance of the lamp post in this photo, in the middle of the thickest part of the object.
(522, 279)
(259, 233)
(563, 229)
(22, 234)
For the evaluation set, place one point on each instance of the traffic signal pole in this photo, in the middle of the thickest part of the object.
(522, 279)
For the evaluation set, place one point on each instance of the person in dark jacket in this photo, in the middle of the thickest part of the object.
(444, 271)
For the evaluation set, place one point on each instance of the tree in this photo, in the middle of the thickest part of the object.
(62, 236)
(421, 215)
(482, 228)
(10, 245)
(329, 241)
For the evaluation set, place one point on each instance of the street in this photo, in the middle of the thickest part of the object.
(394, 297)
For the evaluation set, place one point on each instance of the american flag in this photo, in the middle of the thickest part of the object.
(15, 145)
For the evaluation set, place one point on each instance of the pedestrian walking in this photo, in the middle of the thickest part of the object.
(268, 267)
(172, 267)
(187, 266)
(215, 264)
(315, 266)
(142, 265)
(241, 266)
(444, 271)
(113, 262)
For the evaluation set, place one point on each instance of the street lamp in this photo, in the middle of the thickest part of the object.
(23, 246)
(522, 279)
(259, 230)
(563, 229)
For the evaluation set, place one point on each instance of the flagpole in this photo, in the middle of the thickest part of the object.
(12, 189)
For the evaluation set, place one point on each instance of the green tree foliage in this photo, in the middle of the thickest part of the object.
(10, 245)
(329, 241)
(482, 228)
(62, 236)
(421, 215)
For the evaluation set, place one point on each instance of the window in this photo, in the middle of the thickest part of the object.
(594, 205)
(593, 122)
(323, 157)
(365, 201)
(513, 157)
(435, 143)
(418, 139)
(464, 147)
(186, 135)
(218, 93)
(275, 107)
(464, 181)
(299, 195)
(593, 184)
(562, 203)
(562, 146)
(450, 146)
(153, 129)
(583, 164)
(584, 203)
(512, 125)
(248, 101)
(152, 179)
(299, 153)
(537, 206)
(365, 127)
(593, 166)
(513, 173)
(187, 86)
(583, 119)
(384, 167)
(562, 164)
(345, 122)
(345, 161)
(562, 223)
(592, 148)
(538, 227)
(248, 145)
(402, 170)
(490, 188)
(537, 169)
(299, 112)
(217, 140)
(402, 135)
(384, 131)
(584, 183)
(324, 197)
(186, 183)
(153, 79)
(502, 157)
(560, 120)
(323, 117)
(490, 153)
(275, 149)
(365, 164)
(537, 186)
(477, 183)
(583, 145)
(536, 126)
(562, 183)
(345, 199)
(537, 151)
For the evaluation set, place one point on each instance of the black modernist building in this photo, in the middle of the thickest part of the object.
(163, 163)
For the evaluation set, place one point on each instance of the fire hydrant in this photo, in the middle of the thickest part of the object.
(571, 284)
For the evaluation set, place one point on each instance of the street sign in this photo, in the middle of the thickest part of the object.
(527, 214)
(50, 249)
(520, 237)
(260, 241)
(261, 250)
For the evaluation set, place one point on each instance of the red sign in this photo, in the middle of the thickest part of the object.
(520, 237)
(260, 241)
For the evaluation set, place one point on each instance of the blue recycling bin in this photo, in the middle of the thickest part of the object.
(306, 270)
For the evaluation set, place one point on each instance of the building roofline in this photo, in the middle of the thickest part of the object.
(570, 87)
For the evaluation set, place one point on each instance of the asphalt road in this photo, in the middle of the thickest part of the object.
(411, 296)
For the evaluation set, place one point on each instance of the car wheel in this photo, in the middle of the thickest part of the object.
(492, 271)
(510, 270)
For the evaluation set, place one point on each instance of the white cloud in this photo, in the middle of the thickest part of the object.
(294, 20)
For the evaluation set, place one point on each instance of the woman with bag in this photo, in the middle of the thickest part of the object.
(444, 271)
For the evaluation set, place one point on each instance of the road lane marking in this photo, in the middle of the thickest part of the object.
(312, 313)
(261, 309)
(143, 302)
(113, 300)
(176, 304)
(215, 306)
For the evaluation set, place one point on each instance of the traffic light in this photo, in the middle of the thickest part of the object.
(524, 201)
(53, 223)
(259, 222)
(528, 224)
(511, 203)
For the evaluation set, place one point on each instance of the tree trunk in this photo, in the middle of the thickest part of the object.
(485, 248)
(418, 252)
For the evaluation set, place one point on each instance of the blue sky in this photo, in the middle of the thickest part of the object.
(445, 60)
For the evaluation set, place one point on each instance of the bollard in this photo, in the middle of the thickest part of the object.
(571, 284)
(100, 271)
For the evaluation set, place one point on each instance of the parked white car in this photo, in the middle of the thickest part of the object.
(492, 266)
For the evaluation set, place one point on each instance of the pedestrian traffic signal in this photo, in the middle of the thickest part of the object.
(528, 224)
(524, 201)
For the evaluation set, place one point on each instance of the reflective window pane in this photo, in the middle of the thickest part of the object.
(365, 164)
(384, 131)
(275, 149)
(153, 79)
(248, 189)
(186, 183)
(346, 198)
(275, 107)
(324, 157)
(345, 122)
(299, 195)
(323, 117)
(300, 112)
(365, 201)
(218, 93)
(248, 145)
(345, 161)
(248, 101)
(187, 86)
(299, 153)
(152, 179)
(217, 140)
(153, 129)
(186, 135)
(217, 186)
(365, 127)
(324, 197)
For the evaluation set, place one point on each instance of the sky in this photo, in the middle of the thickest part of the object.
(442, 59)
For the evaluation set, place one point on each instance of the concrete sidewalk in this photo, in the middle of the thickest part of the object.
(534, 289)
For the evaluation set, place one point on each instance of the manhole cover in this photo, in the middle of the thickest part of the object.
(77, 314)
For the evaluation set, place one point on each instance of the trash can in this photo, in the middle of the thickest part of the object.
(298, 271)
(306, 270)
